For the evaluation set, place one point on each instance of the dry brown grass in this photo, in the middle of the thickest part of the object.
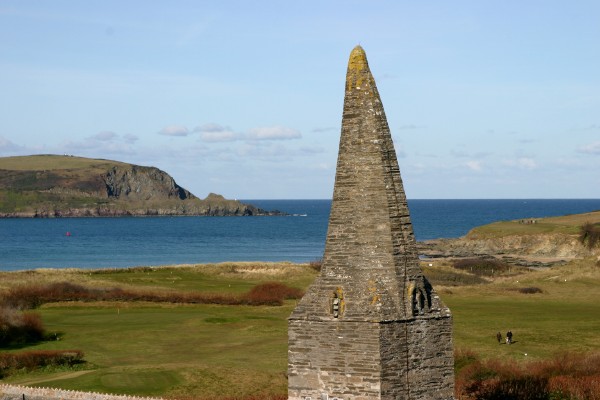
(566, 376)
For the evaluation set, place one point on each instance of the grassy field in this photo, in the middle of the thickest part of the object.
(211, 351)
(568, 224)
(51, 162)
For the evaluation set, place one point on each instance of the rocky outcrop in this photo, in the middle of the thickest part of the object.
(538, 249)
(142, 183)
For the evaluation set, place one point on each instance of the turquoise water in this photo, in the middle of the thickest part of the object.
(127, 241)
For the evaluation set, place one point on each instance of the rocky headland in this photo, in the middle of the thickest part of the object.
(45, 186)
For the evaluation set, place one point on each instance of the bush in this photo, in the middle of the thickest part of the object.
(24, 297)
(316, 264)
(18, 327)
(530, 290)
(590, 235)
(439, 277)
(30, 360)
(481, 266)
(565, 377)
(272, 293)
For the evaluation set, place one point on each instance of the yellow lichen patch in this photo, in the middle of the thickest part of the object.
(356, 65)
(339, 293)
(373, 289)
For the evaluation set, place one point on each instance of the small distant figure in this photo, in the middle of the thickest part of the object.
(68, 234)
(499, 337)
(509, 337)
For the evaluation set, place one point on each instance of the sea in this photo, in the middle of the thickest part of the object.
(122, 242)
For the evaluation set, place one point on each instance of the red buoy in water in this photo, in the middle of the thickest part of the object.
(68, 234)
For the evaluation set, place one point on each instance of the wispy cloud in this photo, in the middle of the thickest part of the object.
(474, 165)
(521, 163)
(130, 138)
(8, 147)
(312, 149)
(105, 136)
(174, 130)
(273, 133)
(464, 154)
(409, 127)
(213, 133)
(324, 129)
(592, 148)
(102, 143)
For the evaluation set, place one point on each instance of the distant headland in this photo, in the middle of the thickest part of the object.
(44, 186)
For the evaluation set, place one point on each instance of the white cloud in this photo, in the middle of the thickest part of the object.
(6, 145)
(592, 148)
(130, 138)
(459, 153)
(474, 165)
(521, 163)
(174, 130)
(105, 136)
(325, 129)
(211, 127)
(312, 149)
(273, 133)
(217, 133)
(214, 133)
(409, 127)
(219, 136)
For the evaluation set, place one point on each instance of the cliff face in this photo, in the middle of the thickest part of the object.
(142, 183)
(64, 186)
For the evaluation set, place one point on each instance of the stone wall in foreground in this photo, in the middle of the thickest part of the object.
(13, 392)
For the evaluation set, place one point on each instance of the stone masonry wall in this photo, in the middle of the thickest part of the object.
(420, 347)
(338, 359)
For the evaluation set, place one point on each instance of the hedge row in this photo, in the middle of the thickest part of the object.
(33, 296)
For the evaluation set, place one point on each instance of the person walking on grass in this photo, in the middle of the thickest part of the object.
(508, 337)
(499, 337)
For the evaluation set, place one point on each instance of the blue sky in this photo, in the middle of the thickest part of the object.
(485, 99)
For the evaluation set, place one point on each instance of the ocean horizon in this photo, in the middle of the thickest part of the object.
(151, 241)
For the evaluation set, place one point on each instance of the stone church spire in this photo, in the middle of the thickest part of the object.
(364, 327)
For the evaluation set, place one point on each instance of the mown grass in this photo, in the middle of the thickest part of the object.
(218, 352)
(177, 350)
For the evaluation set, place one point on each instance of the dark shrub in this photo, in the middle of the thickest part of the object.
(18, 327)
(439, 277)
(30, 360)
(481, 266)
(590, 235)
(530, 290)
(564, 377)
(316, 264)
(272, 293)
